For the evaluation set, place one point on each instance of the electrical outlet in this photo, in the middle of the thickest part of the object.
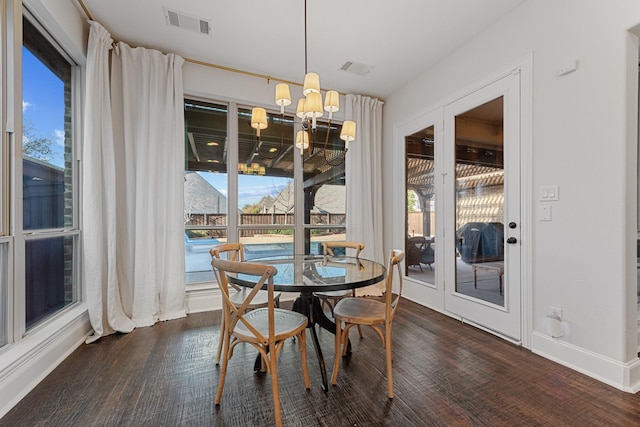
(555, 312)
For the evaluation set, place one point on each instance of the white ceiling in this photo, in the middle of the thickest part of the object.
(400, 38)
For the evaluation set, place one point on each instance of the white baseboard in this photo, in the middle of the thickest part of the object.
(623, 376)
(204, 298)
(24, 364)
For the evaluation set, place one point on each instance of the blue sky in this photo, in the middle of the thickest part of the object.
(251, 188)
(43, 103)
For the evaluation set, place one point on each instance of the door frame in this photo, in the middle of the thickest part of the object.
(506, 319)
(433, 297)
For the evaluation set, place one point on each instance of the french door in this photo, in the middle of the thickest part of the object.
(481, 165)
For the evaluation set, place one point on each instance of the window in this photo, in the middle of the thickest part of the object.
(205, 185)
(324, 189)
(239, 188)
(266, 188)
(48, 177)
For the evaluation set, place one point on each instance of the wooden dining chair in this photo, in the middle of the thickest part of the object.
(330, 298)
(370, 312)
(265, 328)
(235, 252)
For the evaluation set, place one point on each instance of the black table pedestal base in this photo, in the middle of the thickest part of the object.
(310, 306)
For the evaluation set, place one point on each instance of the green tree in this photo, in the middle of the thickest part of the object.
(252, 209)
(34, 145)
(412, 201)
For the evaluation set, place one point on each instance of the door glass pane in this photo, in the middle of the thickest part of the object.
(49, 276)
(479, 168)
(420, 206)
(205, 186)
(266, 190)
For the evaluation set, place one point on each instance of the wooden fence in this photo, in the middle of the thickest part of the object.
(272, 220)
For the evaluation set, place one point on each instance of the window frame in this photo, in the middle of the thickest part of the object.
(73, 230)
(233, 227)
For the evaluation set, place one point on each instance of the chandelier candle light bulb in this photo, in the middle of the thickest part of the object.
(302, 141)
(259, 119)
(313, 107)
(300, 110)
(331, 102)
(283, 96)
(348, 133)
(311, 84)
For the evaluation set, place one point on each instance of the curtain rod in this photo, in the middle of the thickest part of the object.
(219, 67)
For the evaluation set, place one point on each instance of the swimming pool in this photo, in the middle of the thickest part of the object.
(198, 259)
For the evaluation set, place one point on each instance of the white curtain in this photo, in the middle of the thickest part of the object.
(132, 186)
(364, 176)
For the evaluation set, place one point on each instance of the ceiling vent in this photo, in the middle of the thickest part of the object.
(356, 68)
(187, 22)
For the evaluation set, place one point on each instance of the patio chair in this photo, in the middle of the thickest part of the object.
(373, 313)
(266, 329)
(235, 252)
(415, 248)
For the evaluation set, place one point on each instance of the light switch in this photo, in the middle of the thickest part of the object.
(544, 213)
(549, 193)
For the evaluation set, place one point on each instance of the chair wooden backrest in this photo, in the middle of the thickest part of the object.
(233, 252)
(393, 293)
(235, 313)
(350, 245)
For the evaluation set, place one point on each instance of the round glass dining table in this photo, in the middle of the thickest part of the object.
(314, 273)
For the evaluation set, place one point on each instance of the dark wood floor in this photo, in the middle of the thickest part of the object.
(446, 374)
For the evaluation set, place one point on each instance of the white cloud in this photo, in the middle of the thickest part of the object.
(59, 137)
(26, 105)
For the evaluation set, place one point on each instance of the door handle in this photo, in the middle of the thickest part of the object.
(512, 240)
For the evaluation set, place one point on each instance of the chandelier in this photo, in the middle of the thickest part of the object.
(252, 169)
(309, 109)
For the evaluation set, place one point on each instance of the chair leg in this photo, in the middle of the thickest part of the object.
(303, 357)
(389, 359)
(223, 371)
(273, 365)
(338, 353)
(220, 341)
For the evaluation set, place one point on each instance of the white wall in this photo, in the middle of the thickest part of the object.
(213, 83)
(583, 135)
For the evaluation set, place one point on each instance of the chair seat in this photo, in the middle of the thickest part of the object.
(360, 310)
(259, 300)
(334, 294)
(287, 324)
